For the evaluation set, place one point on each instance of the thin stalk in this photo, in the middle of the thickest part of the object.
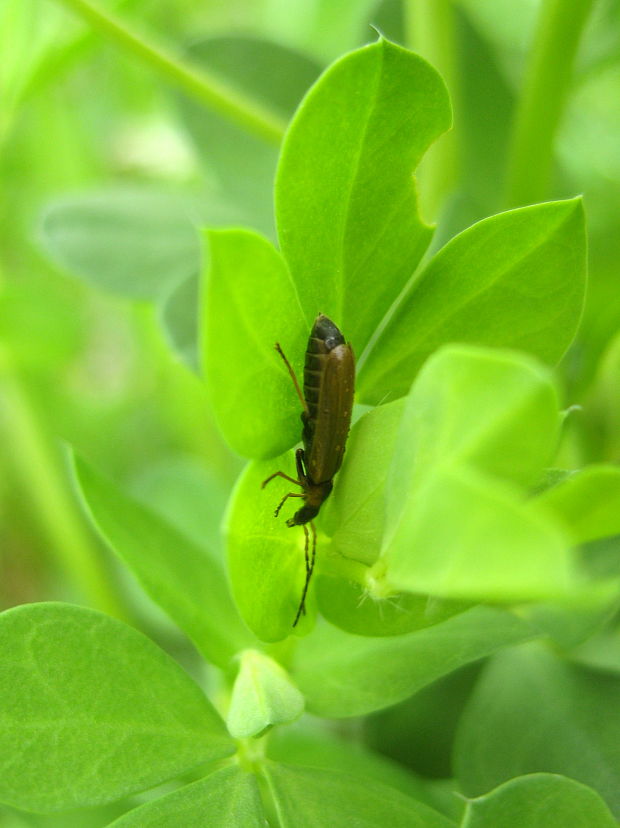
(198, 83)
(541, 106)
(430, 31)
(39, 466)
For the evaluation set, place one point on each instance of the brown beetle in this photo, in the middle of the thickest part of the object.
(327, 400)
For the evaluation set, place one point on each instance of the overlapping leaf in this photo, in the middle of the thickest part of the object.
(476, 424)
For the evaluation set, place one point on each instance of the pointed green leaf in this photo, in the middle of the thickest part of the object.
(346, 204)
(541, 800)
(514, 280)
(228, 798)
(588, 503)
(263, 695)
(185, 580)
(249, 304)
(92, 710)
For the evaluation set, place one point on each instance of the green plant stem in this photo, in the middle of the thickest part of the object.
(430, 31)
(545, 91)
(40, 468)
(211, 91)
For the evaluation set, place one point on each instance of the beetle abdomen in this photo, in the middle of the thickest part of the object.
(328, 390)
(324, 337)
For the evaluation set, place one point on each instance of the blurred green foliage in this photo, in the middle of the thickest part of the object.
(110, 165)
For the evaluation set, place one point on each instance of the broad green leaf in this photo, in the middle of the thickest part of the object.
(354, 517)
(187, 494)
(476, 424)
(496, 411)
(346, 204)
(419, 732)
(354, 514)
(228, 798)
(513, 280)
(92, 711)
(345, 675)
(531, 712)
(187, 581)
(265, 556)
(541, 800)
(352, 606)
(249, 304)
(135, 243)
(313, 798)
(310, 746)
(588, 503)
(467, 536)
(263, 695)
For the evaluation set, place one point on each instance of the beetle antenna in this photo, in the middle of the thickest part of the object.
(293, 377)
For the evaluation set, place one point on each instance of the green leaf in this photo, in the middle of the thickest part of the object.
(468, 537)
(228, 798)
(92, 711)
(496, 411)
(419, 732)
(345, 675)
(354, 514)
(346, 204)
(542, 800)
(249, 304)
(476, 423)
(187, 493)
(265, 556)
(353, 606)
(531, 712)
(354, 517)
(312, 798)
(263, 695)
(186, 581)
(588, 503)
(244, 165)
(310, 746)
(135, 243)
(514, 280)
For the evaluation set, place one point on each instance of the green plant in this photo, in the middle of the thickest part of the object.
(463, 564)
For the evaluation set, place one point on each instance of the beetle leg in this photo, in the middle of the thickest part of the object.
(284, 499)
(280, 474)
(300, 461)
(293, 377)
(309, 569)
